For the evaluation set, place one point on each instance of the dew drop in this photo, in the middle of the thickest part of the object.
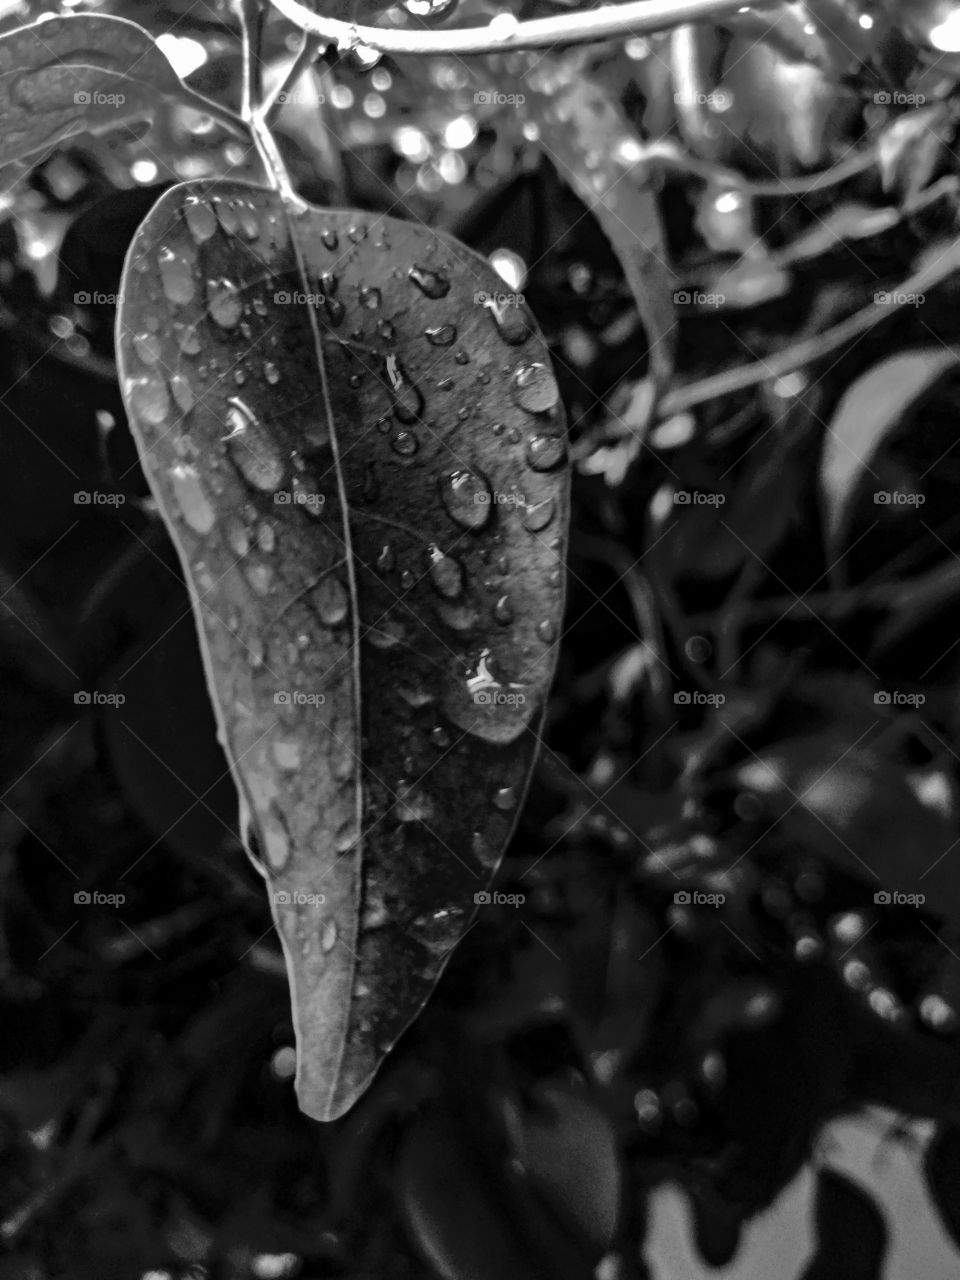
(481, 704)
(260, 577)
(386, 560)
(545, 453)
(260, 307)
(228, 217)
(503, 611)
(370, 298)
(182, 393)
(335, 310)
(357, 233)
(407, 400)
(547, 631)
(223, 299)
(415, 697)
(251, 450)
(405, 443)
(412, 804)
(328, 938)
(446, 574)
(271, 373)
(266, 537)
(149, 400)
(445, 384)
(148, 347)
(200, 219)
(238, 539)
(330, 239)
(386, 635)
(461, 357)
(444, 335)
(176, 277)
(539, 515)
(407, 580)
(331, 600)
(188, 340)
(458, 617)
(535, 388)
(249, 222)
(467, 498)
(439, 737)
(439, 931)
(505, 798)
(511, 319)
(430, 283)
(287, 754)
(386, 331)
(194, 504)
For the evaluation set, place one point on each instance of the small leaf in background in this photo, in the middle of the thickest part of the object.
(868, 411)
(910, 146)
(844, 1213)
(356, 440)
(84, 73)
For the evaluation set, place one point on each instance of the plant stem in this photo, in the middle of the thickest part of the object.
(251, 21)
(639, 17)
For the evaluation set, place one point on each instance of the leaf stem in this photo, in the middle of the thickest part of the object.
(255, 111)
(638, 17)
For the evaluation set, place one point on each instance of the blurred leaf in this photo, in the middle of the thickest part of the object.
(310, 421)
(941, 1169)
(869, 410)
(851, 1231)
(909, 148)
(84, 73)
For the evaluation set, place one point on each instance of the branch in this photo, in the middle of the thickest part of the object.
(639, 17)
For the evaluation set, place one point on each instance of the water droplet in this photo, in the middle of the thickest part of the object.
(251, 450)
(223, 299)
(445, 384)
(266, 537)
(271, 373)
(415, 697)
(328, 937)
(260, 307)
(511, 319)
(188, 339)
(357, 233)
(335, 310)
(387, 634)
(386, 560)
(239, 377)
(370, 298)
(459, 617)
(538, 515)
(535, 388)
(355, 380)
(249, 222)
(461, 357)
(485, 706)
(467, 498)
(194, 504)
(200, 219)
(330, 239)
(407, 400)
(444, 335)
(228, 216)
(386, 331)
(505, 798)
(544, 453)
(238, 539)
(407, 580)
(547, 631)
(430, 283)
(439, 737)
(148, 347)
(412, 804)
(287, 753)
(182, 393)
(503, 611)
(149, 399)
(405, 443)
(332, 602)
(176, 277)
(260, 577)
(439, 931)
(446, 574)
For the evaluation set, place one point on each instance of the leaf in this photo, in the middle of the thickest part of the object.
(852, 1234)
(85, 73)
(368, 495)
(869, 410)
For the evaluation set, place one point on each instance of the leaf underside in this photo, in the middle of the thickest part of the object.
(81, 73)
(360, 458)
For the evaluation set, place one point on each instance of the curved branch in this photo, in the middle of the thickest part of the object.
(636, 18)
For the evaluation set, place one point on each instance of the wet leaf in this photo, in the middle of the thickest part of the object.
(868, 411)
(85, 73)
(358, 448)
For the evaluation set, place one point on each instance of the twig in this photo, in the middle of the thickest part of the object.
(254, 112)
(633, 19)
